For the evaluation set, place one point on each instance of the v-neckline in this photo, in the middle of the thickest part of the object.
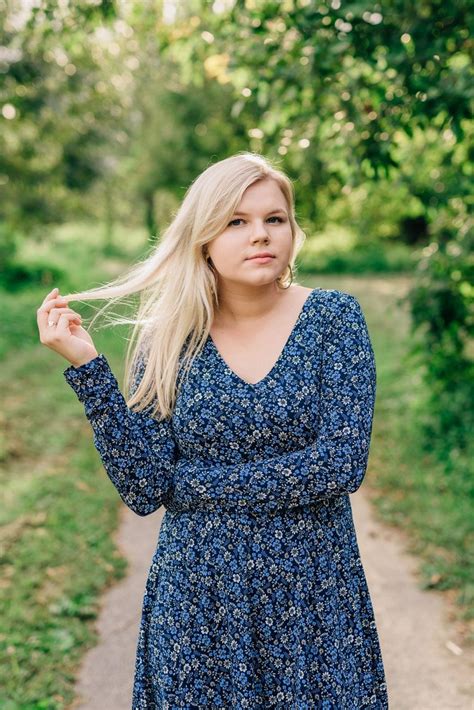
(279, 358)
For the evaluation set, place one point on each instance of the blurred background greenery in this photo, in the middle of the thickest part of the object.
(108, 110)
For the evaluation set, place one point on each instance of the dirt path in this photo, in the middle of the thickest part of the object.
(425, 667)
(106, 676)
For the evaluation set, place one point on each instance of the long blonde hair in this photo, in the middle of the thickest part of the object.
(178, 289)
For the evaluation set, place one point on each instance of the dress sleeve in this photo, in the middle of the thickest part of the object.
(137, 450)
(334, 464)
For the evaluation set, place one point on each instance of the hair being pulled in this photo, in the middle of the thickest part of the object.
(177, 287)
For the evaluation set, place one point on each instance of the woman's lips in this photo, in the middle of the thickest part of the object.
(261, 259)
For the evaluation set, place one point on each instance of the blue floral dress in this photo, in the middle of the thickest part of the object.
(256, 595)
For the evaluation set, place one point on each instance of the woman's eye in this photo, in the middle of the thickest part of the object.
(238, 219)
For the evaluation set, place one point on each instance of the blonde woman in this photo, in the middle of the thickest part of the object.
(249, 418)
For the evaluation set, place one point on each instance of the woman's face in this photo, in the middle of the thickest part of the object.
(259, 224)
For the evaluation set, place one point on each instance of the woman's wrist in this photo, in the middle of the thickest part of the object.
(78, 363)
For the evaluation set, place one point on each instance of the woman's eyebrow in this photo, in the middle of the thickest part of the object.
(246, 214)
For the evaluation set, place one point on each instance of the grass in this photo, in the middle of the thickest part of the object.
(60, 509)
(58, 515)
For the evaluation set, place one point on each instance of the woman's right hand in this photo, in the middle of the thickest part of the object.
(66, 335)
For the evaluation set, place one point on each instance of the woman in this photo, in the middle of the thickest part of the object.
(255, 400)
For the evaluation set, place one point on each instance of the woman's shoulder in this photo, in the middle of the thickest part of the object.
(336, 309)
(333, 302)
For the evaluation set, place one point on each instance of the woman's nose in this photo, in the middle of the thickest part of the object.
(259, 231)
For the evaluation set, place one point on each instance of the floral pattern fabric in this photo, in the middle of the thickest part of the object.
(256, 595)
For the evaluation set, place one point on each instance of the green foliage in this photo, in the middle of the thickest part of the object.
(8, 246)
(362, 259)
(181, 127)
(348, 95)
(442, 307)
(16, 273)
(58, 112)
(343, 76)
(109, 111)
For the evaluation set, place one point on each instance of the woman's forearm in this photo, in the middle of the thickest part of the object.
(137, 451)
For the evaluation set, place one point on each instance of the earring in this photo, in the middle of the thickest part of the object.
(280, 279)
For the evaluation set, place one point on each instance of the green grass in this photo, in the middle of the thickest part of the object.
(57, 552)
(60, 509)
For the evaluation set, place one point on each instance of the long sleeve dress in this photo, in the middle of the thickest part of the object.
(256, 595)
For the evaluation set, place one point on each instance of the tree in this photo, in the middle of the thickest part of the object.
(339, 89)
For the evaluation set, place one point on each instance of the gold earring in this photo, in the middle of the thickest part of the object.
(280, 279)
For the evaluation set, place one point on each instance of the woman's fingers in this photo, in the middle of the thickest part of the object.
(59, 330)
(54, 294)
(55, 312)
(49, 302)
(65, 334)
(47, 316)
(51, 294)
